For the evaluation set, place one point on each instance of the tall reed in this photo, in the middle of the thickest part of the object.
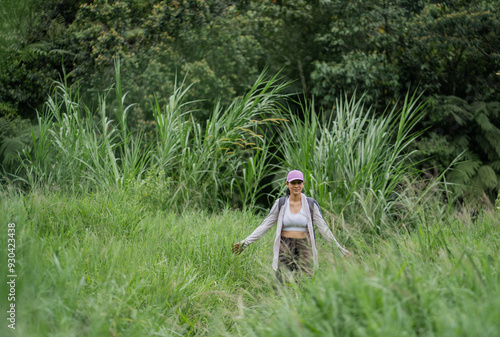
(355, 163)
(213, 162)
(204, 163)
(76, 148)
(352, 160)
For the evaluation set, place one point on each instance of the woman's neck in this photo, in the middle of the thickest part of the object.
(295, 198)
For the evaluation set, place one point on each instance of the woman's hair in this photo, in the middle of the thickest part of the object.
(287, 191)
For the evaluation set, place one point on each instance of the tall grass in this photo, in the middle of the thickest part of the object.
(356, 165)
(104, 264)
(76, 148)
(192, 163)
(141, 254)
(355, 162)
(206, 160)
(399, 288)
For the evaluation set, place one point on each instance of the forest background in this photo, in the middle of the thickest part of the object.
(140, 139)
(447, 51)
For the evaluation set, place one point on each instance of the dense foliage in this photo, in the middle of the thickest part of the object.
(447, 50)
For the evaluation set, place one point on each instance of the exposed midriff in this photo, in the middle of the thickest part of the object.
(295, 234)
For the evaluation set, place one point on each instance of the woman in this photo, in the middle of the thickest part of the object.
(295, 242)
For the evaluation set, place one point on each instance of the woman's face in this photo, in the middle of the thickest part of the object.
(295, 187)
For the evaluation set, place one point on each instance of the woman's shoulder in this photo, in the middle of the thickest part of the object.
(311, 200)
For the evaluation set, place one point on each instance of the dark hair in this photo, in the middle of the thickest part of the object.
(287, 191)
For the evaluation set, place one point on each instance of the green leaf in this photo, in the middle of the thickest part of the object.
(495, 165)
(484, 122)
(469, 168)
(487, 176)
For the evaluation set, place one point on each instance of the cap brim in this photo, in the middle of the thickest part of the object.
(295, 179)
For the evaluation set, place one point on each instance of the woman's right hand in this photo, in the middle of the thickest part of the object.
(237, 249)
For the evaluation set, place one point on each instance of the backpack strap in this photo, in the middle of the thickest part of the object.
(312, 202)
(281, 202)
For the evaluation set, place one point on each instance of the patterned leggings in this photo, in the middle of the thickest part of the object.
(295, 257)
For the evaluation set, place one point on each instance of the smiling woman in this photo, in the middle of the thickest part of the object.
(295, 243)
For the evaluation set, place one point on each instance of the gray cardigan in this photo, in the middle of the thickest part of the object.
(276, 215)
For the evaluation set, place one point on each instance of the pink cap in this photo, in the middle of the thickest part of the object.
(294, 175)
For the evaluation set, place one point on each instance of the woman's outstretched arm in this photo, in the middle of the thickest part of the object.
(259, 232)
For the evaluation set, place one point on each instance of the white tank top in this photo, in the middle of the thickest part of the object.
(294, 222)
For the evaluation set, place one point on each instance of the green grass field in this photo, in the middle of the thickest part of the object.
(106, 264)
